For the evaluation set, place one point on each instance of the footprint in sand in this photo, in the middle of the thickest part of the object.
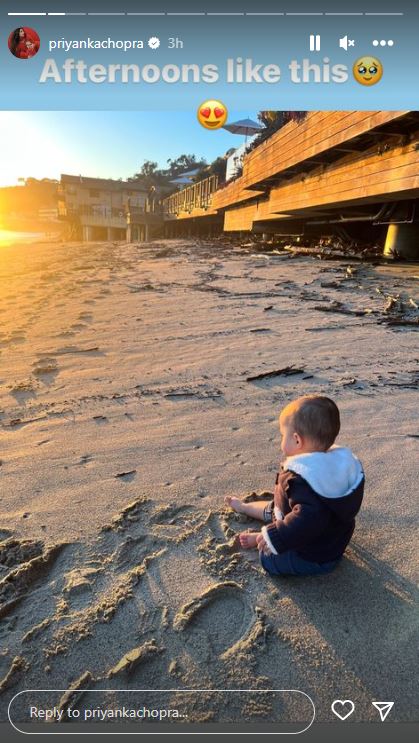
(23, 391)
(46, 366)
(219, 619)
(78, 585)
(100, 419)
(16, 551)
(29, 561)
(133, 512)
(65, 334)
(78, 326)
(172, 515)
(133, 550)
(17, 337)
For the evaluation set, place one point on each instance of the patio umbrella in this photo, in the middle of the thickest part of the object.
(181, 180)
(244, 126)
(186, 177)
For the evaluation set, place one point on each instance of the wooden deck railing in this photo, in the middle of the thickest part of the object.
(196, 196)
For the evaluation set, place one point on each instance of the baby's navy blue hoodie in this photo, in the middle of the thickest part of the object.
(316, 499)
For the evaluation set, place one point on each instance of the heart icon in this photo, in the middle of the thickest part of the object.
(343, 708)
(219, 112)
(205, 112)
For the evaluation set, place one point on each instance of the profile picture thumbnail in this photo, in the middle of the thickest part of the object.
(24, 42)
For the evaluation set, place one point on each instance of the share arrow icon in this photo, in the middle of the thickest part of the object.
(384, 708)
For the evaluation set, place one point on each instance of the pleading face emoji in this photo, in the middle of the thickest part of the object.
(212, 114)
(367, 70)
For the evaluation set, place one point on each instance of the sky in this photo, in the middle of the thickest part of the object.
(103, 144)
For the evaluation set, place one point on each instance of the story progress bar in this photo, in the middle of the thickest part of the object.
(171, 13)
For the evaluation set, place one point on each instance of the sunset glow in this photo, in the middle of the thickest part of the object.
(101, 144)
(28, 150)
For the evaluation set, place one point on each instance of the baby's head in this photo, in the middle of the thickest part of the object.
(310, 423)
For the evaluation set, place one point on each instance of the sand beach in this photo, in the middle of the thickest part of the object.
(139, 385)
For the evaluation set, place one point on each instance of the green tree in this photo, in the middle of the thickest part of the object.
(149, 174)
(272, 121)
(217, 167)
(148, 168)
(182, 164)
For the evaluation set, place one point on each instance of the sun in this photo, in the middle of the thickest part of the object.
(26, 150)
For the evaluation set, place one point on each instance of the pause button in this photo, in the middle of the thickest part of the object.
(314, 42)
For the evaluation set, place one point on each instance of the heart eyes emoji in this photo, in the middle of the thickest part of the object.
(212, 114)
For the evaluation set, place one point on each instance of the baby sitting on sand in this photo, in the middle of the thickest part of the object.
(318, 493)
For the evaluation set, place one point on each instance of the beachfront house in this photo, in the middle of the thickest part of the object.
(105, 209)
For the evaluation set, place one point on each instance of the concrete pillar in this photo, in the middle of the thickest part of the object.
(87, 233)
(402, 240)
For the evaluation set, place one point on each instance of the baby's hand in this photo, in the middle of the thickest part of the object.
(262, 545)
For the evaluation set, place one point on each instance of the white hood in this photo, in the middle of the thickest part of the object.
(332, 474)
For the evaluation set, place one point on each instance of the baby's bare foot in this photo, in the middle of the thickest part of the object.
(235, 503)
(248, 539)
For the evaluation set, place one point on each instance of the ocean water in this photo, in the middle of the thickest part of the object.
(8, 237)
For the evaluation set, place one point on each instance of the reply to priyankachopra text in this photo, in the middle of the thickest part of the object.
(40, 714)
